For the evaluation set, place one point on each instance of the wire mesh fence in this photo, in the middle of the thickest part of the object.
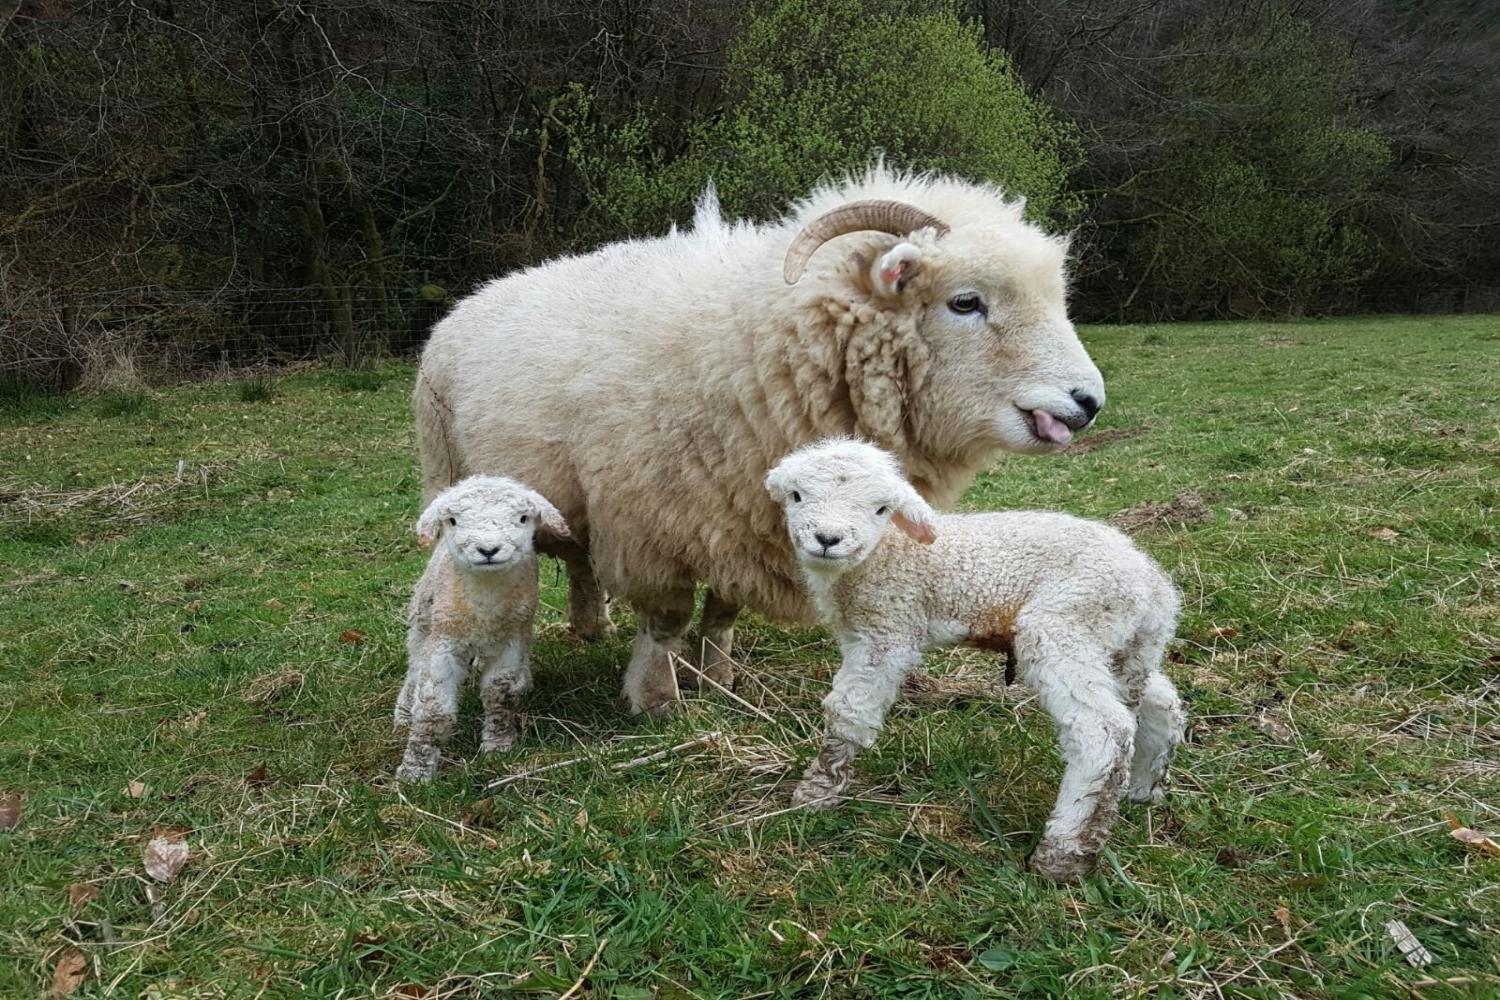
(59, 342)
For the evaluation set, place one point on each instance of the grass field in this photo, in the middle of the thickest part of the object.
(219, 656)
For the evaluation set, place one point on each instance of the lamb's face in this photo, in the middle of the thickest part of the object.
(839, 498)
(488, 523)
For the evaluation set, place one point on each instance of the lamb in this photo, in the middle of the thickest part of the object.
(647, 387)
(473, 607)
(1087, 615)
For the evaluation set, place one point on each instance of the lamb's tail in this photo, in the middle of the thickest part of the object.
(435, 447)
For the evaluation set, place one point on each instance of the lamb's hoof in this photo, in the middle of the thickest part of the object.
(818, 795)
(1147, 794)
(420, 773)
(1061, 864)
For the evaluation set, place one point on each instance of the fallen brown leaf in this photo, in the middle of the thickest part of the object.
(272, 603)
(582, 819)
(257, 777)
(136, 790)
(69, 973)
(1484, 842)
(166, 854)
(81, 894)
(1385, 534)
(12, 804)
(352, 637)
(1225, 632)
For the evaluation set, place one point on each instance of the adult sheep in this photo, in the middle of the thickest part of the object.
(646, 388)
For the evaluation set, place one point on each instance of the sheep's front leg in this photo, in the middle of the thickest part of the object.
(506, 678)
(588, 604)
(1096, 732)
(651, 678)
(435, 681)
(867, 684)
(716, 636)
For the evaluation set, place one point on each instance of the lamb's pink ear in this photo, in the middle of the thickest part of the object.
(550, 515)
(430, 524)
(778, 484)
(894, 268)
(915, 517)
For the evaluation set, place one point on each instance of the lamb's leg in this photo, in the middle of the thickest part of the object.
(435, 682)
(716, 636)
(867, 684)
(506, 678)
(1096, 732)
(1159, 724)
(651, 678)
(588, 604)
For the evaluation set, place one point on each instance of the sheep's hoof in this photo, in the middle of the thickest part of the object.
(594, 629)
(1061, 864)
(498, 743)
(720, 673)
(421, 773)
(664, 710)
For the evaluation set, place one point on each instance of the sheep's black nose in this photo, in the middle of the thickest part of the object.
(487, 553)
(827, 541)
(1089, 403)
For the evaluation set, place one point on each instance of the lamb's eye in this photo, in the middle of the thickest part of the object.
(966, 303)
(524, 518)
(796, 497)
(883, 511)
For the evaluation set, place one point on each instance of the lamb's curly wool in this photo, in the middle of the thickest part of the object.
(1087, 614)
(473, 607)
(648, 386)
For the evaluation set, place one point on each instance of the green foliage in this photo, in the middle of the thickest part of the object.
(1256, 206)
(259, 388)
(818, 89)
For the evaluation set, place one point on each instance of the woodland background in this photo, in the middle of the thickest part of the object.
(187, 184)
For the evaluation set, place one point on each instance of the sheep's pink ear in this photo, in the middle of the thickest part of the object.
(915, 517)
(550, 516)
(429, 525)
(894, 268)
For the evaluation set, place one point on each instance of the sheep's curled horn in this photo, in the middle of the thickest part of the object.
(895, 217)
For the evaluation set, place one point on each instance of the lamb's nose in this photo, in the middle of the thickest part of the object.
(827, 541)
(1089, 404)
(487, 553)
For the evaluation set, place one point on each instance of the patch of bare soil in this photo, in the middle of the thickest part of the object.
(1099, 439)
(1185, 508)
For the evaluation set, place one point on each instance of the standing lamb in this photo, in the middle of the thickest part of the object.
(473, 607)
(647, 387)
(1087, 615)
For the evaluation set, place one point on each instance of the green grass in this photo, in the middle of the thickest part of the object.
(185, 633)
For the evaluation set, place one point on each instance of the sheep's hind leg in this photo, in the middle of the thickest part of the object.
(588, 604)
(1096, 732)
(716, 638)
(1159, 725)
(434, 710)
(651, 678)
(505, 680)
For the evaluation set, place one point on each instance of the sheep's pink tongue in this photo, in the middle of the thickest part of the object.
(1049, 428)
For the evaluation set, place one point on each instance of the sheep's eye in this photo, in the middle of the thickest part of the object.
(966, 303)
(524, 518)
(796, 497)
(452, 521)
(883, 511)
